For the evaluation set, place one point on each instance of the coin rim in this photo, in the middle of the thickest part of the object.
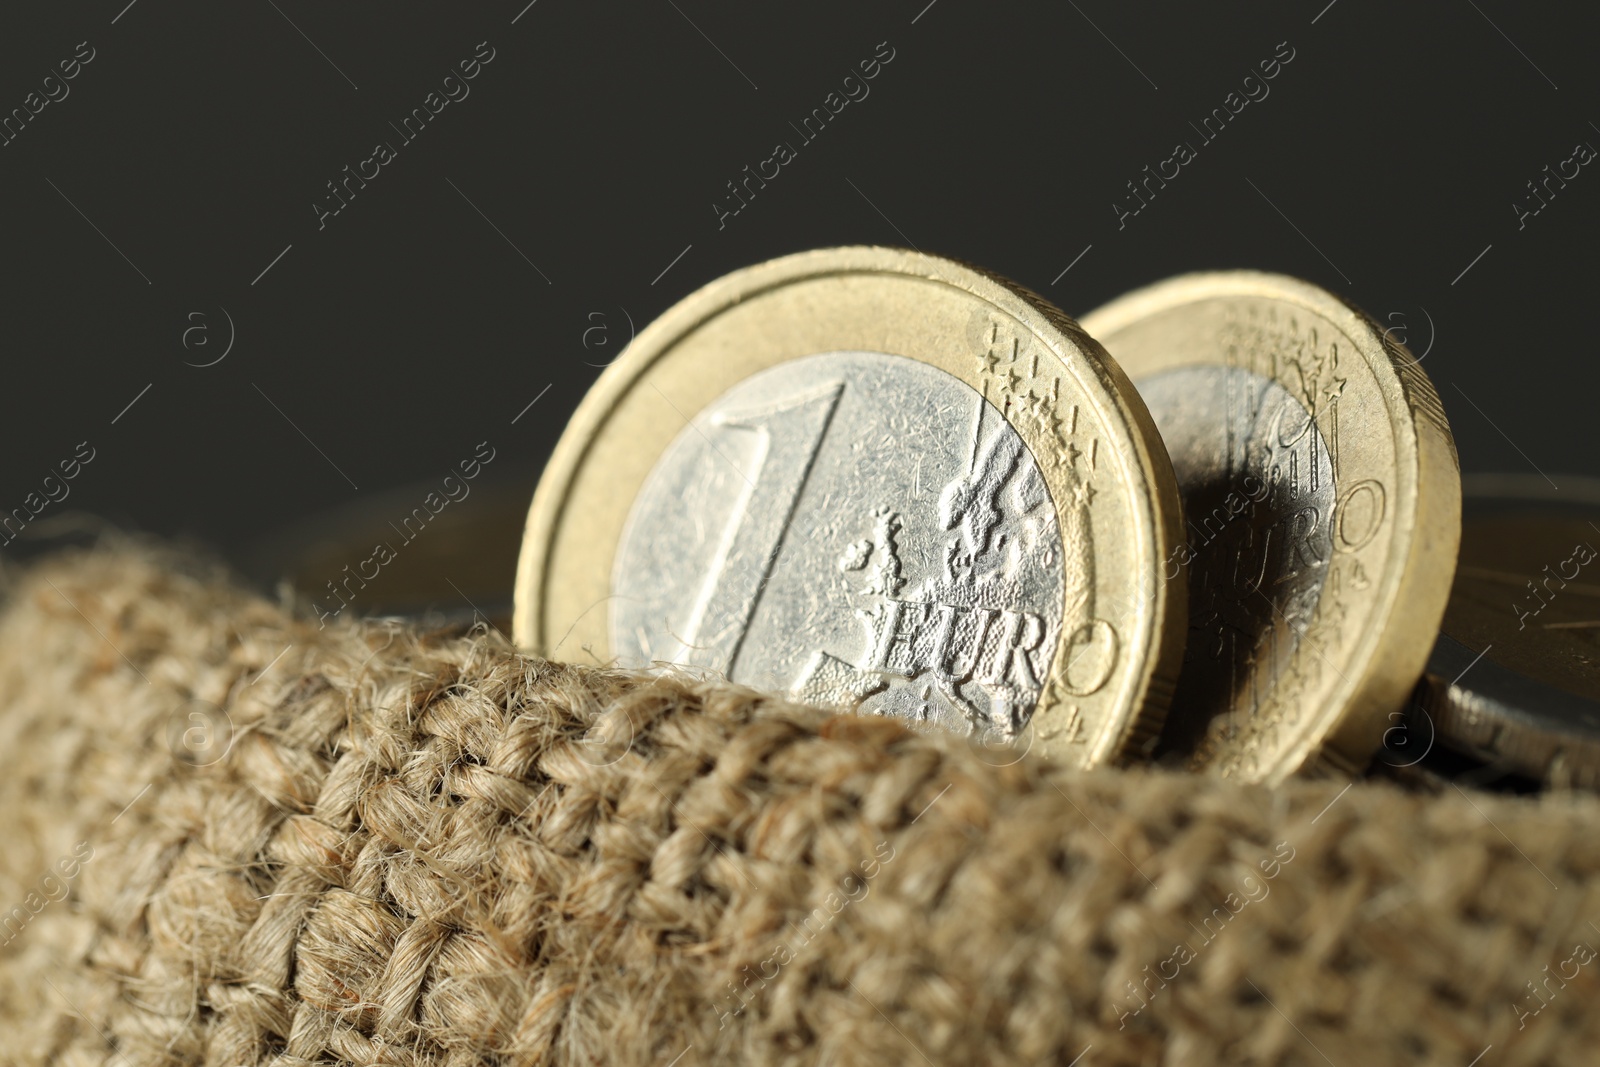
(1156, 515)
(1342, 735)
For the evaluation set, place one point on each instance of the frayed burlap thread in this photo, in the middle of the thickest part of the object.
(421, 848)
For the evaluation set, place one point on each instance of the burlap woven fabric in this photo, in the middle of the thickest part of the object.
(424, 849)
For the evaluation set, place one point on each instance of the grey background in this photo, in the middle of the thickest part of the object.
(573, 189)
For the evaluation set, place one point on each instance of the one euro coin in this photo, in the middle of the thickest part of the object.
(1322, 500)
(878, 480)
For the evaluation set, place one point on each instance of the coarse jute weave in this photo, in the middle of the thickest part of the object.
(421, 848)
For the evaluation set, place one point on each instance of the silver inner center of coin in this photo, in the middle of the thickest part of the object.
(852, 528)
(1258, 494)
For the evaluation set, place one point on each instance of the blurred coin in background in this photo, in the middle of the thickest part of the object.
(1322, 506)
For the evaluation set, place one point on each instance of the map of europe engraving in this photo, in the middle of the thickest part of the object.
(858, 530)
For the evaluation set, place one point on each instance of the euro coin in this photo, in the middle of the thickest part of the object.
(870, 479)
(1322, 499)
(1514, 679)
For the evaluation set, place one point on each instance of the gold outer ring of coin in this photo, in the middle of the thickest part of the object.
(900, 303)
(1388, 580)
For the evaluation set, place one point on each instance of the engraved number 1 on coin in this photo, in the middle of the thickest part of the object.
(791, 432)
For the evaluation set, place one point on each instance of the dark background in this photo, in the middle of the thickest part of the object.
(470, 276)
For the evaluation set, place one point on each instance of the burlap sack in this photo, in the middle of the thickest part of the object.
(234, 839)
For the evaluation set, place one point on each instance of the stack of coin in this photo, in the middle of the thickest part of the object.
(880, 480)
(1514, 679)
